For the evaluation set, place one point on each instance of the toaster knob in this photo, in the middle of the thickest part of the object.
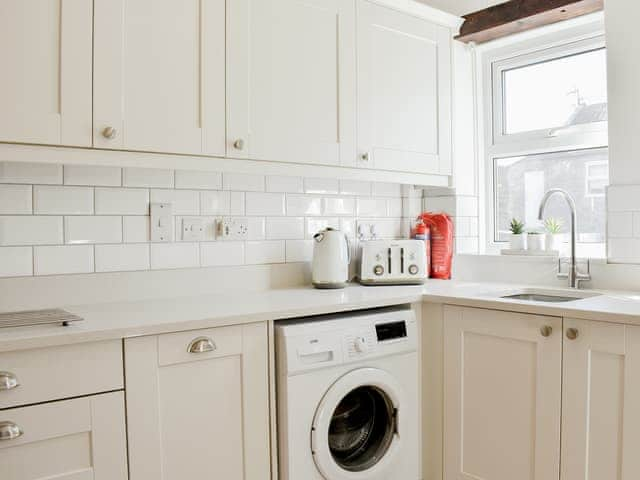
(378, 270)
(413, 269)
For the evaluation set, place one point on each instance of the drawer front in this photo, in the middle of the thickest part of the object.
(78, 439)
(199, 345)
(41, 375)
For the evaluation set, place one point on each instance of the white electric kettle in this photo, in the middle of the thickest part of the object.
(331, 257)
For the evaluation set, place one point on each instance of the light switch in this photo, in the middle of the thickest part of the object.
(161, 222)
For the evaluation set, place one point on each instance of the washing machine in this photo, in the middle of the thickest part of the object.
(348, 399)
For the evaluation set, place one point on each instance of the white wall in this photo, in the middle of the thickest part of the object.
(460, 7)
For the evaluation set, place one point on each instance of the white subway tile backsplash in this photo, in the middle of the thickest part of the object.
(184, 202)
(257, 228)
(215, 203)
(215, 254)
(314, 225)
(16, 261)
(93, 229)
(339, 206)
(411, 207)
(243, 182)
(55, 200)
(30, 173)
(285, 184)
(122, 258)
(299, 251)
(381, 189)
(624, 250)
(372, 207)
(355, 187)
(16, 199)
(440, 205)
(467, 206)
(620, 224)
(284, 228)
(122, 201)
(265, 203)
(174, 255)
(303, 205)
(265, 252)
(394, 206)
(198, 180)
(321, 185)
(237, 203)
(623, 198)
(636, 224)
(31, 230)
(92, 175)
(147, 177)
(62, 260)
(135, 229)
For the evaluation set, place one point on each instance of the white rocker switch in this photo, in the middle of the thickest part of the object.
(161, 222)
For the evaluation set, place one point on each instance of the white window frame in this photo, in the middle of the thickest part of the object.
(556, 41)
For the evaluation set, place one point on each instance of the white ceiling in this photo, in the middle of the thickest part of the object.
(460, 7)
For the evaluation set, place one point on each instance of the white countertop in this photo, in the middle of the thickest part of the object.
(128, 319)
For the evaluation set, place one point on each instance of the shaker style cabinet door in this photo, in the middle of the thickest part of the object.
(502, 378)
(78, 439)
(198, 404)
(291, 80)
(159, 79)
(601, 401)
(45, 53)
(404, 92)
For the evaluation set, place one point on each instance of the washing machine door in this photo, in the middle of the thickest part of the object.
(358, 427)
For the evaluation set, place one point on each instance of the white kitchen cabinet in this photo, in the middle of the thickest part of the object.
(601, 399)
(45, 53)
(502, 395)
(403, 92)
(291, 80)
(198, 404)
(78, 439)
(159, 79)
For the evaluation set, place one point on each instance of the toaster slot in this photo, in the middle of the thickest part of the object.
(389, 260)
(402, 260)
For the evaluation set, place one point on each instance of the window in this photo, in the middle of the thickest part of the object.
(546, 102)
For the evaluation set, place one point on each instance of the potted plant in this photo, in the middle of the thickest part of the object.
(553, 226)
(518, 239)
(535, 240)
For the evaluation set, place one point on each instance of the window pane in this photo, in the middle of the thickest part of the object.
(520, 183)
(558, 93)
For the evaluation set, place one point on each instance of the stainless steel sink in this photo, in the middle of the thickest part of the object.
(547, 296)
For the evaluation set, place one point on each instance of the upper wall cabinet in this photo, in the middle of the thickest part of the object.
(159, 79)
(291, 80)
(404, 92)
(45, 53)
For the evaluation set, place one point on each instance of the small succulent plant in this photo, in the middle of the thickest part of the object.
(516, 226)
(553, 225)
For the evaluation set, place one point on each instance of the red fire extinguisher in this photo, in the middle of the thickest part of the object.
(441, 229)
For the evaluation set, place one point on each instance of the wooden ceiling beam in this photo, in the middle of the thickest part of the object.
(520, 15)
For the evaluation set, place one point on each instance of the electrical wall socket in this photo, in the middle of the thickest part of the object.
(193, 229)
(161, 222)
(233, 228)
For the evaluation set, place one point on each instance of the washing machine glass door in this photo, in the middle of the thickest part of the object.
(357, 426)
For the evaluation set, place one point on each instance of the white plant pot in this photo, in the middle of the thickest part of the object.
(518, 242)
(554, 242)
(536, 242)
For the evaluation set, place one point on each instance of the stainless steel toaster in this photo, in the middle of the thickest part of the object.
(393, 262)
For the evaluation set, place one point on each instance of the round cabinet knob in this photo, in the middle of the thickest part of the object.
(109, 133)
(413, 269)
(238, 144)
(546, 330)
(9, 431)
(378, 270)
(572, 333)
(360, 344)
(8, 381)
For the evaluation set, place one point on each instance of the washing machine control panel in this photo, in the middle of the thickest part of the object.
(370, 338)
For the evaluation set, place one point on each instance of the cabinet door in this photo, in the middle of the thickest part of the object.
(291, 80)
(79, 439)
(502, 378)
(601, 401)
(45, 53)
(404, 91)
(199, 415)
(159, 78)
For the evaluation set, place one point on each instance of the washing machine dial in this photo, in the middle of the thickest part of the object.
(360, 344)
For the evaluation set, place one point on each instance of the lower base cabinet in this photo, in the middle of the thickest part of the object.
(198, 404)
(78, 439)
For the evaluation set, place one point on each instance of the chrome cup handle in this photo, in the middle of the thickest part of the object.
(201, 345)
(8, 381)
(10, 431)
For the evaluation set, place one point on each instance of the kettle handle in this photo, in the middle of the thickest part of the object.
(348, 248)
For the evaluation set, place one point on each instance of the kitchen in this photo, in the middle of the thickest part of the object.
(319, 239)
